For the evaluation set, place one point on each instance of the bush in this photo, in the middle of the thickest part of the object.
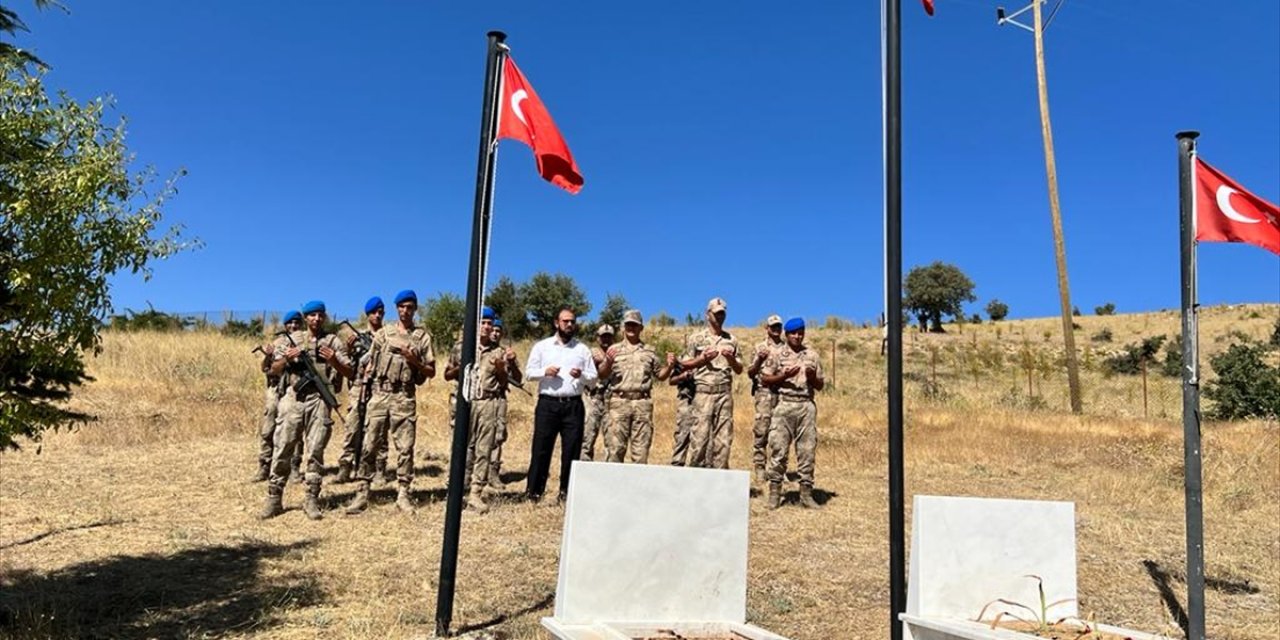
(149, 320)
(1102, 336)
(661, 319)
(1172, 365)
(1075, 311)
(1107, 309)
(1246, 386)
(443, 315)
(837, 323)
(975, 319)
(997, 310)
(1130, 362)
(1275, 335)
(251, 328)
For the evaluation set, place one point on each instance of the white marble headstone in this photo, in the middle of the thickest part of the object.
(651, 543)
(966, 552)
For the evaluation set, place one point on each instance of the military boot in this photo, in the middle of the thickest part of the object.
(495, 481)
(274, 505)
(311, 505)
(760, 477)
(806, 498)
(403, 501)
(361, 501)
(775, 495)
(344, 473)
(264, 472)
(476, 503)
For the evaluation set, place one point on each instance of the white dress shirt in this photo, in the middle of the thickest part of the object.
(566, 355)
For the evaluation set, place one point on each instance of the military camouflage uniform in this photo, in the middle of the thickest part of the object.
(596, 402)
(488, 406)
(303, 416)
(712, 431)
(267, 426)
(685, 414)
(349, 455)
(765, 400)
(393, 405)
(795, 418)
(629, 427)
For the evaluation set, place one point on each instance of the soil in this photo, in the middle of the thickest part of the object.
(1062, 631)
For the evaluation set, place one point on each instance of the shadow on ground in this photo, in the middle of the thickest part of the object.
(205, 590)
(545, 603)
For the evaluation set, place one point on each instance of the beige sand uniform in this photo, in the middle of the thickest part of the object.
(712, 432)
(595, 401)
(765, 399)
(629, 427)
(488, 409)
(685, 417)
(303, 416)
(270, 408)
(795, 418)
(393, 406)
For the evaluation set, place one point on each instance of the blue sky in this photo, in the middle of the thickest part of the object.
(729, 148)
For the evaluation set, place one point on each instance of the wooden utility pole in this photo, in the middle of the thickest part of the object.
(1055, 211)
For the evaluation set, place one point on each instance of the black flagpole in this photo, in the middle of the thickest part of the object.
(479, 252)
(1191, 388)
(893, 290)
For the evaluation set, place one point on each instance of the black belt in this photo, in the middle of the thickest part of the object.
(548, 398)
(492, 396)
(632, 395)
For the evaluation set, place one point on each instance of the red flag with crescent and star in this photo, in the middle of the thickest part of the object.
(523, 117)
(1227, 212)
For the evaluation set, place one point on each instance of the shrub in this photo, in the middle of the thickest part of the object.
(1275, 335)
(997, 310)
(1246, 387)
(251, 328)
(661, 319)
(1130, 361)
(1172, 365)
(1102, 336)
(1107, 309)
(149, 320)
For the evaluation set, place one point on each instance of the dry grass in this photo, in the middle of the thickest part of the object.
(142, 525)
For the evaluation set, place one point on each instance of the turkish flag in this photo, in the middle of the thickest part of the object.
(523, 117)
(1226, 212)
(928, 6)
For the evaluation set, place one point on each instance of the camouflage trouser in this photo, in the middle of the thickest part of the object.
(306, 421)
(597, 407)
(629, 428)
(712, 432)
(394, 415)
(499, 439)
(684, 424)
(348, 456)
(794, 422)
(765, 401)
(483, 436)
(267, 433)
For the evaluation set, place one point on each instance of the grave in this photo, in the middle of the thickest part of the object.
(651, 552)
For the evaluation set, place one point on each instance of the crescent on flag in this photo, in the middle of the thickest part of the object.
(516, 97)
(1223, 197)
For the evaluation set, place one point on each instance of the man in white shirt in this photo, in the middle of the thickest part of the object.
(562, 366)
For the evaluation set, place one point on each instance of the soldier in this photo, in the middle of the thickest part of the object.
(682, 380)
(495, 367)
(796, 372)
(495, 459)
(267, 428)
(374, 311)
(765, 397)
(596, 397)
(713, 356)
(303, 412)
(401, 359)
(453, 367)
(630, 368)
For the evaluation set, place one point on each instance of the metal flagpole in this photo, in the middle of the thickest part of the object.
(1191, 387)
(893, 291)
(479, 252)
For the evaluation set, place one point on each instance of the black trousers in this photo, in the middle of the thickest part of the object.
(553, 417)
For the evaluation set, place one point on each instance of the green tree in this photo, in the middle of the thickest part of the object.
(72, 215)
(443, 315)
(997, 310)
(504, 299)
(1105, 310)
(545, 294)
(661, 319)
(1246, 386)
(615, 304)
(935, 291)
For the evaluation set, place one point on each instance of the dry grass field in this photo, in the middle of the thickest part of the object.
(143, 524)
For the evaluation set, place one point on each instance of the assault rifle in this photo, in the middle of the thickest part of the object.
(363, 343)
(311, 377)
(362, 389)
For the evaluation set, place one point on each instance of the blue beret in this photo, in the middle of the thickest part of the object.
(313, 307)
(794, 324)
(497, 322)
(406, 295)
(291, 316)
(486, 313)
(373, 304)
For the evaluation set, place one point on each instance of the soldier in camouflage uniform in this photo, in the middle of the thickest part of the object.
(712, 354)
(495, 368)
(267, 427)
(765, 397)
(495, 458)
(596, 398)
(401, 359)
(682, 380)
(453, 366)
(796, 371)
(374, 311)
(629, 369)
(302, 413)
